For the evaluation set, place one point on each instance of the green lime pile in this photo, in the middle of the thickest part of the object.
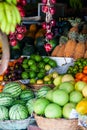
(36, 67)
(78, 66)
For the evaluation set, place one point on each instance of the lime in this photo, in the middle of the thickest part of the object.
(25, 66)
(38, 58)
(32, 56)
(46, 59)
(47, 78)
(47, 67)
(42, 70)
(32, 81)
(32, 74)
(52, 63)
(34, 68)
(41, 65)
(31, 62)
(25, 61)
(40, 75)
(24, 75)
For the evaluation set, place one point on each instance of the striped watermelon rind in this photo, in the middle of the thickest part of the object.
(4, 113)
(42, 91)
(18, 112)
(26, 95)
(6, 99)
(14, 88)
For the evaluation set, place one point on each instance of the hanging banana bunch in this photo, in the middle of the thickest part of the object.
(9, 16)
(75, 4)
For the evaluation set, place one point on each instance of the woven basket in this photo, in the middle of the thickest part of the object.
(36, 87)
(57, 124)
(14, 124)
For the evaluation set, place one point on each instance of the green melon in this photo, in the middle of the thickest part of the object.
(6, 99)
(42, 91)
(18, 112)
(4, 114)
(14, 88)
(26, 95)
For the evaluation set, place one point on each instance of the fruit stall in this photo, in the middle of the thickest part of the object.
(43, 69)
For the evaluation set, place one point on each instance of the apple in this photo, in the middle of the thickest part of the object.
(57, 80)
(76, 96)
(67, 109)
(79, 85)
(67, 77)
(53, 111)
(67, 86)
(60, 97)
(84, 91)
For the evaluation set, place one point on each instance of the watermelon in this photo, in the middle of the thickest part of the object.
(18, 112)
(26, 95)
(6, 99)
(42, 91)
(4, 114)
(14, 88)
(30, 105)
(18, 101)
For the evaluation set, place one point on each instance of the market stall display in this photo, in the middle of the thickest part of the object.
(47, 80)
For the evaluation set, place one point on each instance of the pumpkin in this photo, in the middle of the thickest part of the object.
(81, 107)
(80, 47)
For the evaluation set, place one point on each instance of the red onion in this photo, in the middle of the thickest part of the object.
(5, 53)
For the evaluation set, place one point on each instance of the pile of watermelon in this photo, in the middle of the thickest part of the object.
(14, 102)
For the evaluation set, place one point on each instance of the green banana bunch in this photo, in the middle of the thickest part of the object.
(9, 17)
(76, 4)
(12, 1)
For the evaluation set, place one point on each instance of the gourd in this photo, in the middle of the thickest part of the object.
(13, 88)
(18, 112)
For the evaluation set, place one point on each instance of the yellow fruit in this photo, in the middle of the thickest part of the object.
(39, 81)
(84, 91)
(81, 107)
(23, 86)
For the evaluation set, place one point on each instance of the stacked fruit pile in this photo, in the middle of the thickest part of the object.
(9, 16)
(13, 101)
(33, 67)
(67, 100)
